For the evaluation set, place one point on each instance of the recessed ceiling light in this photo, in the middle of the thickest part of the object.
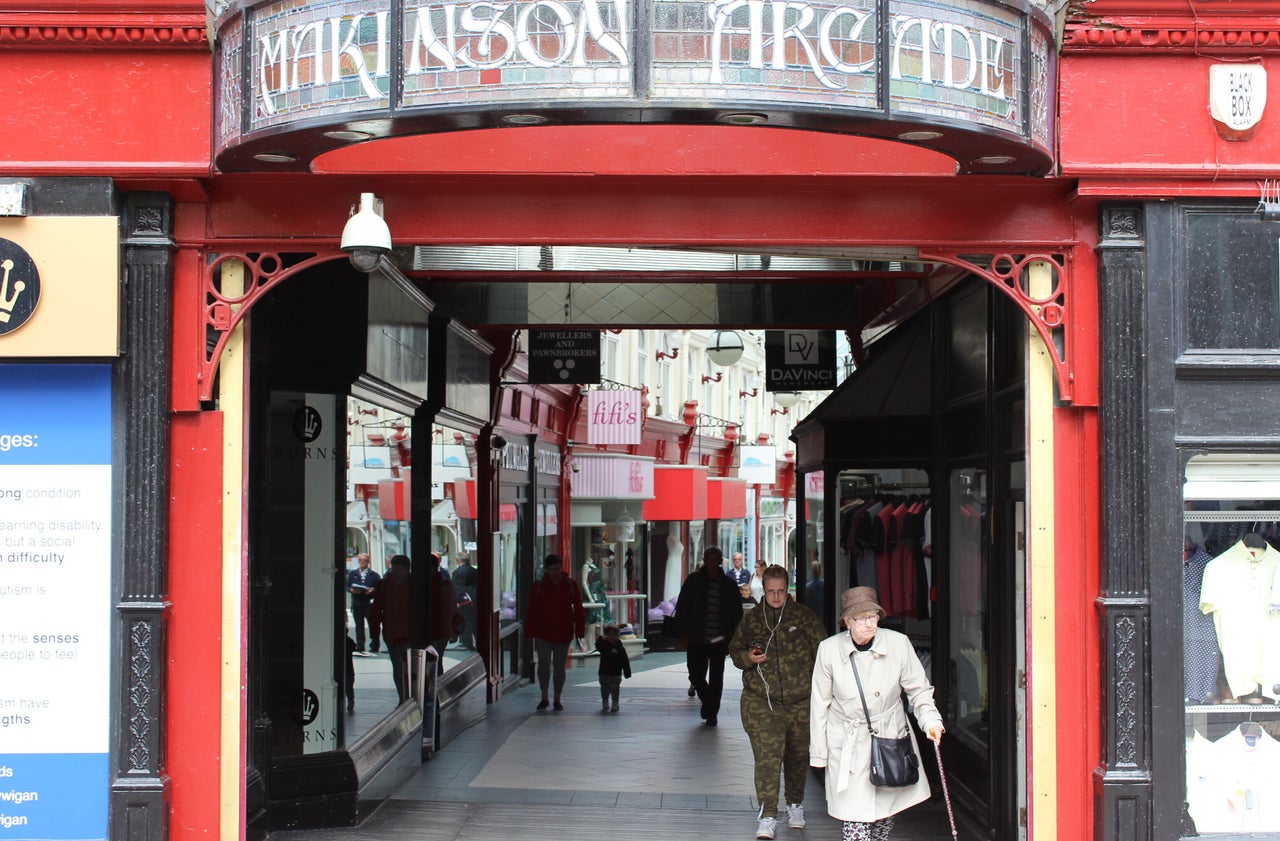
(742, 119)
(524, 119)
(920, 135)
(275, 157)
(347, 134)
(995, 159)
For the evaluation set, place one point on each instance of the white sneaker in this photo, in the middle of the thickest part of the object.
(795, 816)
(767, 828)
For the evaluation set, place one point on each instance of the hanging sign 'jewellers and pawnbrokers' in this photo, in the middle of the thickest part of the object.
(564, 356)
(972, 78)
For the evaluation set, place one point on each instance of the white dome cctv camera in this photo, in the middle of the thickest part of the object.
(366, 236)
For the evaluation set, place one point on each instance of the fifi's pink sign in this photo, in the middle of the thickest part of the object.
(614, 417)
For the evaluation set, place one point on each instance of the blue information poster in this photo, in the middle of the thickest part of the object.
(55, 601)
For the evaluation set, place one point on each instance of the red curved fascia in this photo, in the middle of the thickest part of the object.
(636, 150)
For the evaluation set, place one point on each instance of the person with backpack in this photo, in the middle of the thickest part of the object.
(707, 613)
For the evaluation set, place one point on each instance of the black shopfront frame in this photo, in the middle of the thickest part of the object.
(1165, 399)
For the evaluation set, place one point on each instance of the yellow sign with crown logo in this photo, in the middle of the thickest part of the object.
(59, 287)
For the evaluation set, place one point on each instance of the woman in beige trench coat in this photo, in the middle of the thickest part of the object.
(839, 739)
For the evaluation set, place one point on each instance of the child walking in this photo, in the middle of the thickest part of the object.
(614, 663)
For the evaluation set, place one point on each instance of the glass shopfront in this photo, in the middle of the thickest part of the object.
(379, 488)
(968, 609)
(775, 529)
(1231, 644)
(1232, 298)
(1191, 355)
(731, 536)
(1230, 655)
(814, 484)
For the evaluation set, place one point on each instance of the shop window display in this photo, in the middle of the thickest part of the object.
(1231, 648)
(697, 542)
(883, 524)
(591, 578)
(814, 524)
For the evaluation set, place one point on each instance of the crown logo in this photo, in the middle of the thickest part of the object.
(7, 301)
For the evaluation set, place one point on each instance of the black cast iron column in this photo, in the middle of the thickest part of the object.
(1123, 781)
(139, 786)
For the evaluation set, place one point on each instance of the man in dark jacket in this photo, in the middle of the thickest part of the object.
(554, 620)
(775, 646)
(464, 583)
(444, 610)
(391, 606)
(707, 612)
(361, 582)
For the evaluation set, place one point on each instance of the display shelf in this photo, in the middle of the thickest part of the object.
(1233, 709)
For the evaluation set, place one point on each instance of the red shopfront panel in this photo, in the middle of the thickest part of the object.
(680, 494)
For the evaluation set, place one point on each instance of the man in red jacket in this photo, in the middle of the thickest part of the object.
(554, 620)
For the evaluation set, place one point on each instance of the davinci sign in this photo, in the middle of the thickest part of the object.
(972, 78)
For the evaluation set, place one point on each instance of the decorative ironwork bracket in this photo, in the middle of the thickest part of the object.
(1010, 273)
(223, 313)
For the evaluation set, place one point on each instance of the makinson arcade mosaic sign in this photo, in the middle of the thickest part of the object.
(969, 77)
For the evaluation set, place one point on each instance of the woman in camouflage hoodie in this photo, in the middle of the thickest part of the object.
(775, 645)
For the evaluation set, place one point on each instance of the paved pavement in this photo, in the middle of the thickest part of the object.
(651, 770)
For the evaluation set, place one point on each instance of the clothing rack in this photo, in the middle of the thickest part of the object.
(882, 536)
(1246, 516)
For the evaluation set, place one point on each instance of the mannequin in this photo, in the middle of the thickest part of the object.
(593, 591)
(675, 567)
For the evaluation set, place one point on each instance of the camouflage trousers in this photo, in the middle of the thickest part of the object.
(779, 740)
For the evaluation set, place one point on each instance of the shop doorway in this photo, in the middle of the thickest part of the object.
(913, 477)
(967, 460)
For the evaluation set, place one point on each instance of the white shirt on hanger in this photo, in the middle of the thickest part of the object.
(1237, 591)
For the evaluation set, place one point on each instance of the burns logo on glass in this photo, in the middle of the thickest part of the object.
(306, 424)
(19, 286)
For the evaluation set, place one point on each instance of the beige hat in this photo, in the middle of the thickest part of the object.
(859, 600)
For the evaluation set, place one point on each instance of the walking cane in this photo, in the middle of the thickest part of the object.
(946, 794)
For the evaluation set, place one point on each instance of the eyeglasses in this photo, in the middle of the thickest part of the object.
(867, 620)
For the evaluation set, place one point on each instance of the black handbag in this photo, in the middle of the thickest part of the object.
(670, 626)
(894, 763)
